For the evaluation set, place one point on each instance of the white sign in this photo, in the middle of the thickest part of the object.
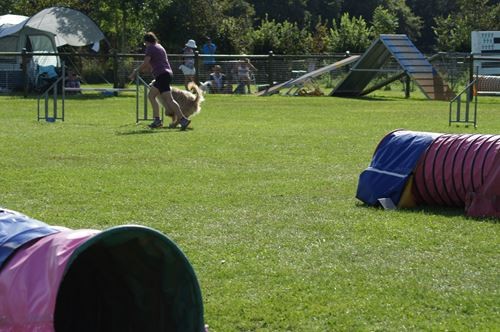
(486, 44)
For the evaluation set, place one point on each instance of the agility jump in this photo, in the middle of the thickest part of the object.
(56, 112)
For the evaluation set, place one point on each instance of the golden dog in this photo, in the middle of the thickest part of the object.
(189, 102)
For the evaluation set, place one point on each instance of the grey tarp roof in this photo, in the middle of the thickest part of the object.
(69, 26)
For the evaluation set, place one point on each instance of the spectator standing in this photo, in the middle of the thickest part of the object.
(209, 48)
(187, 67)
(245, 69)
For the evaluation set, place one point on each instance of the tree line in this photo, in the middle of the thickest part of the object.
(285, 26)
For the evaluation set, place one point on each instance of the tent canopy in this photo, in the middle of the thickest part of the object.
(42, 33)
(69, 26)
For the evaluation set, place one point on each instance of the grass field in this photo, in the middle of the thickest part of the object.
(260, 197)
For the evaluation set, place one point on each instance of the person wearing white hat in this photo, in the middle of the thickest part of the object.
(191, 44)
(187, 67)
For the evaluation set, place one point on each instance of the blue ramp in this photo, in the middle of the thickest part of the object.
(411, 61)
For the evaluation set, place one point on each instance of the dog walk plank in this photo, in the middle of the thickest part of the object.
(312, 74)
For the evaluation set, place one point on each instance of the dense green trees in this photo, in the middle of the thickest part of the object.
(383, 21)
(453, 30)
(349, 34)
(285, 26)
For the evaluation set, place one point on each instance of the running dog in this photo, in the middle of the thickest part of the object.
(189, 102)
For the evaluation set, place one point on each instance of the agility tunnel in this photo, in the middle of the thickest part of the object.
(413, 168)
(487, 84)
(126, 278)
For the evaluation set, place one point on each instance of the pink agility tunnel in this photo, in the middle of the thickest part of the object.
(462, 171)
(127, 278)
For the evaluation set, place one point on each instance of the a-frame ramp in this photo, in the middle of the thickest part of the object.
(301, 79)
(411, 60)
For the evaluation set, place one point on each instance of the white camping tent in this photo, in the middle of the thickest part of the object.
(43, 32)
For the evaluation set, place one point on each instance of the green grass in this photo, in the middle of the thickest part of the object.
(260, 197)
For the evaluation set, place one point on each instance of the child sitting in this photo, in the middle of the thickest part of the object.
(73, 81)
(218, 82)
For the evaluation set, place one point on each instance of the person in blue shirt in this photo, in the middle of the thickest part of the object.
(208, 48)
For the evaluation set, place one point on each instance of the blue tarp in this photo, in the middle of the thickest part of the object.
(393, 162)
(17, 229)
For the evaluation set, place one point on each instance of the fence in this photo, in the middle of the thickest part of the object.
(18, 72)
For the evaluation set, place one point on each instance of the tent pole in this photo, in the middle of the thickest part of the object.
(25, 71)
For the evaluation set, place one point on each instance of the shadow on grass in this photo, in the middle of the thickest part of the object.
(384, 98)
(445, 211)
(448, 211)
(149, 131)
(375, 98)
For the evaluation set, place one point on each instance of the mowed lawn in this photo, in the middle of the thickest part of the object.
(260, 196)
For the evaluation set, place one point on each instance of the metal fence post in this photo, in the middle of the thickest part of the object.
(270, 69)
(115, 69)
(197, 66)
(24, 67)
(407, 86)
(471, 76)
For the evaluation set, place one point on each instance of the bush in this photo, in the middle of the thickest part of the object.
(349, 35)
(281, 38)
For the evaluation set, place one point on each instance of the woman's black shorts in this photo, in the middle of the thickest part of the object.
(162, 82)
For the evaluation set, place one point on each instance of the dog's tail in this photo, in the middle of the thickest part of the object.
(195, 89)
